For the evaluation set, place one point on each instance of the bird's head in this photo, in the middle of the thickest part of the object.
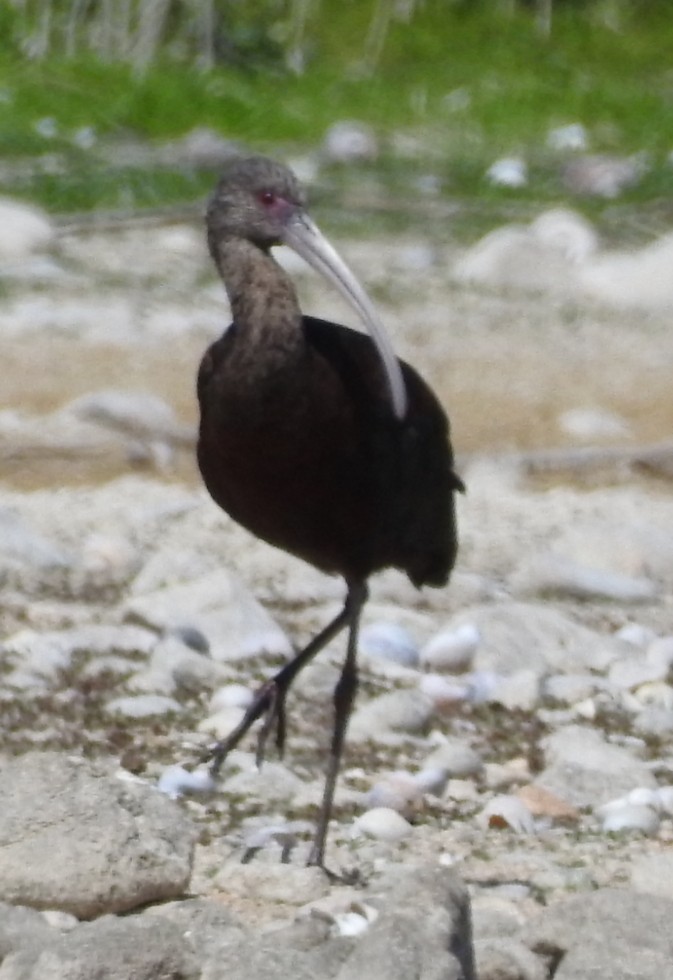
(261, 201)
(255, 199)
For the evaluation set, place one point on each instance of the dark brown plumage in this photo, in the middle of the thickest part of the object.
(309, 440)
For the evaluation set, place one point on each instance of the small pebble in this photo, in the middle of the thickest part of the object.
(388, 641)
(621, 816)
(635, 635)
(351, 924)
(452, 650)
(432, 779)
(573, 136)
(520, 690)
(630, 672)
(143, 706)
(665, 799)
(350, 142)
(222, 722)
(507, 811)
(444, 694)
(398, 791)
(382, 823)
(230, 696)
(508, 172)
(456, 758)
(176, 781)
(660, 652)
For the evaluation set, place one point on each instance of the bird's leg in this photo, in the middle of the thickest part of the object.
(344, 695)
(270, 698)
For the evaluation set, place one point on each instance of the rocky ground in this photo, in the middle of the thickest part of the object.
(513, 739)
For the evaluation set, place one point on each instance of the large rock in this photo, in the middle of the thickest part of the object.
(521, 635)
(76, 839)
(611, 933)
(220, 607)
(586, 770)
(423, 930)
(108, 949)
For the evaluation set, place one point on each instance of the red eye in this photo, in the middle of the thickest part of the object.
(267, 197)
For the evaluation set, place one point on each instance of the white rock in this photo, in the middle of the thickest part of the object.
(140, 414)
(630, 672)
(222, 608)
(24, 229)
(660, 652)
(590, 424)
(653, 874)
(567, 231)
(432, 779)
(443, 693)
(632, 279)
(636, 635)
(407, 711)
(176, 781)
(382, 823)
(570, 137)
(654, 721)
(644, 796)
(222, 722)
(397, 791)
(586, 770)
(511, 630)
(271, 784)
(509, 811)
(231, 696)
(350, 142)
(630, 816)
(548, 573)
(452, 650)
(571, 688)
(388, 641)
(508, 172)
(456, 758)
(143, 706)
(351, 924)
(518, 690)
(665, 799)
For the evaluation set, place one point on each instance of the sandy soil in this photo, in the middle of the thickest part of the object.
(135, 309)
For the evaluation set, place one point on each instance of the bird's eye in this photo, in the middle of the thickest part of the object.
(267, 198)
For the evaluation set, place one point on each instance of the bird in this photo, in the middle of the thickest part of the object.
(315, 437)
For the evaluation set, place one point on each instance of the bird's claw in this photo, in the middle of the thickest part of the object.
(275, 716)
(269, 701)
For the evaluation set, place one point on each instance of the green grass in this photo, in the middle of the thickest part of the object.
(467, 84)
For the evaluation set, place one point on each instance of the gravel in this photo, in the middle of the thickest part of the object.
(512, 733)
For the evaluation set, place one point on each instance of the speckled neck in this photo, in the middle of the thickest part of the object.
(262, 297)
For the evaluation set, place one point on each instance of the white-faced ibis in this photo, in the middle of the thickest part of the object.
(313, 437)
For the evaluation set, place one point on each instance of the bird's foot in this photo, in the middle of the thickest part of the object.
(275, 717)
(269, 701)
(347, 876)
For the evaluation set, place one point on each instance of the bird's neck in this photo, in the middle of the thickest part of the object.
(263, 301)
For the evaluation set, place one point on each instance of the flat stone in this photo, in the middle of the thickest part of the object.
(584, 769)
(110, 948)
(516, 635)
(403, 711)
(144, 706)
(77, 839)
(423, 929)
(221, 608)
(616, 933)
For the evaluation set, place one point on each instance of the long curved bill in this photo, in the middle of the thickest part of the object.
(302, 235)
